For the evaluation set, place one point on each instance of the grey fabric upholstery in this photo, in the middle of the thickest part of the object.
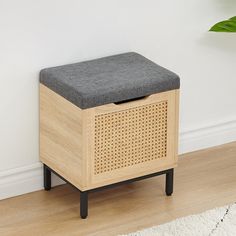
(109, 79)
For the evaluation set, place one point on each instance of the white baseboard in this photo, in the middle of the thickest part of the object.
(23, 180)
(206, 137)
(29, 178)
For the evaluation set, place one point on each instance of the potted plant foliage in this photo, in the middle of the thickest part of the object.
(225, 26)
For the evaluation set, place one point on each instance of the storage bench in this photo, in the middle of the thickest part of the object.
(108, 121)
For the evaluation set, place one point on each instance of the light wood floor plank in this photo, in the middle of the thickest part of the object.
(203, 180)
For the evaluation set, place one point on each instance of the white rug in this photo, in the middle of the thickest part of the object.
(217, 222)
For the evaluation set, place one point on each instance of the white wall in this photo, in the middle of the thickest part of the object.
(37, 34)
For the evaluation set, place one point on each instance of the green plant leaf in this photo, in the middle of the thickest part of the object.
(225, 26)
(233, 18)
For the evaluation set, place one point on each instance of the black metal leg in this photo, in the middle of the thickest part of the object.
(84, 194)
(84, 204)
(169, 182)
(47, 177)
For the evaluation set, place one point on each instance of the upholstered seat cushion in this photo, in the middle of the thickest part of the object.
(109, 79)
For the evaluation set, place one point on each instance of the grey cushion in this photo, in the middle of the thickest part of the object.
(109, 79)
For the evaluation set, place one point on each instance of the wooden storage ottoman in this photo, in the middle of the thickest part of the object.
(108, 121)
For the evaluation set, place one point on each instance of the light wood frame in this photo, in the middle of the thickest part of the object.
(67, 139)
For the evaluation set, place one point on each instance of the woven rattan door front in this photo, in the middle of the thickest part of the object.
(133, 139)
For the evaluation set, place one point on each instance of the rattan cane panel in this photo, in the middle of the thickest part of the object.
(130, 137)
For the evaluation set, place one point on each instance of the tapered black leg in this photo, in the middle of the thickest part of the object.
(84, 204)
(47, 177)
(169, 182)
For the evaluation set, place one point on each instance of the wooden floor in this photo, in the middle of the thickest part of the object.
(203, 180)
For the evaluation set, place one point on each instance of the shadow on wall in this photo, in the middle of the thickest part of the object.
(221, 41)
(225, 6)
